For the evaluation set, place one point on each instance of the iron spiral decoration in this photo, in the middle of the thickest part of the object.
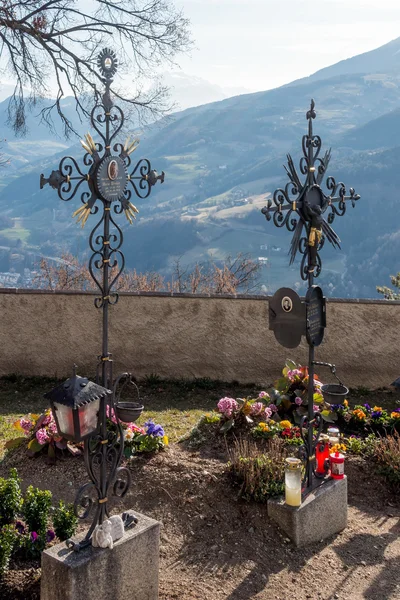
(301, 205)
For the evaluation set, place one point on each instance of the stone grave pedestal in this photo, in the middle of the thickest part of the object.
(127, 572)
(322, 514)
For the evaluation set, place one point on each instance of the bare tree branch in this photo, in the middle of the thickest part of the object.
(56, 42)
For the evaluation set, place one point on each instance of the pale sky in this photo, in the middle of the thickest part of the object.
(261, 44)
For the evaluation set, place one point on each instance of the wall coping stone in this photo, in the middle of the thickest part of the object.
(28, 291)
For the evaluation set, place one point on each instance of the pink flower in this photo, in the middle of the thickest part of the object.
(46, 420)
(298, 401)
(256, 408)
(268, 413)
(273, 408)
(52, 427)
(26, 424)
(42, 436)
(263, 395)
(316, 408)
(136, 428)
(226, 406)
(111, 414)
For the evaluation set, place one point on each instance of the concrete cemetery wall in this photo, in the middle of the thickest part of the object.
(44, 333)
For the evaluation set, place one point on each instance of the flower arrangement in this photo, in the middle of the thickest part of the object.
(367, 417)
(41, 433)
(290, 394)
(243, 410)
(149, 438)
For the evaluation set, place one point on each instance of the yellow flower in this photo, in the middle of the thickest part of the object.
(346, 403)
(165, 440)
(262, 424)
(338, 448)
(246, 408)
(285, 425)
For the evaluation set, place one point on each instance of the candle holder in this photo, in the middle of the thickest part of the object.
(293, 481)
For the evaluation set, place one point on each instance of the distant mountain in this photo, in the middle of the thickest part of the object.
(188, 91)
(385, 59)
(223, 159)
(382, 132)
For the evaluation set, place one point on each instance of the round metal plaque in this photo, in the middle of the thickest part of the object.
(111, 178)
(315, 315)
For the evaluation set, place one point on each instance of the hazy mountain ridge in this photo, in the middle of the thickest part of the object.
(222, 159)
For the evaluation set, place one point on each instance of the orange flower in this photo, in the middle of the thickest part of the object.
(285, 425)
(346, 403)
(377, 409)
(395, 415)
(360, 414)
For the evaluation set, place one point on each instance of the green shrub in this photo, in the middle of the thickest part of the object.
(260, 475)
(10, 498)
(37, 505)
(359, 446)
(65, 521)
(8, 537)
(387, 455)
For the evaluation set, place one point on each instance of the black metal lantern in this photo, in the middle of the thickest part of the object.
(76, 407)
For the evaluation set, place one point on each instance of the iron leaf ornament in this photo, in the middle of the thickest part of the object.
(301, 206)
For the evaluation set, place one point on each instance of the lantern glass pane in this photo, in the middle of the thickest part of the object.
(65, 419)
(88, 417)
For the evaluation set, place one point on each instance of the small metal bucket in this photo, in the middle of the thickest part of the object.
(127, 411)
(334, 393)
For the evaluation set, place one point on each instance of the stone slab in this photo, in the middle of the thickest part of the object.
(322, 514)
(128, 571)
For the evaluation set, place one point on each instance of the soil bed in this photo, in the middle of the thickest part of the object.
(216, 547)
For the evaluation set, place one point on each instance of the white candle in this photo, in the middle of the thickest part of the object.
(293, 496)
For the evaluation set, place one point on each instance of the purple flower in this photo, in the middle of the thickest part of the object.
(263, 395)
(336, 407)
(50, 535)
(298, 401)
(34, 536)
(396, 410)
(376, 414)
(367, 406)
(273, 407)
(20, 527)
(153, 429)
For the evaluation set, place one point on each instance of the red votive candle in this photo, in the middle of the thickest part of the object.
(337, 465)
(322, 454)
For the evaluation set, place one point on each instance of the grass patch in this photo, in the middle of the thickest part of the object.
(16, 233)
